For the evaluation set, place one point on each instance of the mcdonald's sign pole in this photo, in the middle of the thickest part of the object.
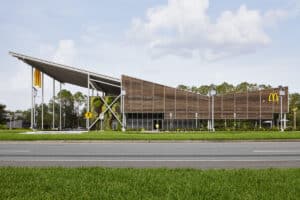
(212, 93)
(281, 94)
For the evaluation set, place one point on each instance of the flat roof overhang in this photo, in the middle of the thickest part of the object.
(72, 75)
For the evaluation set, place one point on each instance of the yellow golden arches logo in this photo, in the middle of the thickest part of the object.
(273, 97)
(88, 115)
(37, 78)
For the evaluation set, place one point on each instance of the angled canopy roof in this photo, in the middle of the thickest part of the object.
(72, 75)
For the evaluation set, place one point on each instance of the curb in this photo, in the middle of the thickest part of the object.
(141, 141)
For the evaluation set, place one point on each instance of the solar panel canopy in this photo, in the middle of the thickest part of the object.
(72, 75)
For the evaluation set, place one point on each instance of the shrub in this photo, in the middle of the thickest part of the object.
(3, 126)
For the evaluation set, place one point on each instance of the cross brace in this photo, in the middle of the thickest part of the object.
(108, 108)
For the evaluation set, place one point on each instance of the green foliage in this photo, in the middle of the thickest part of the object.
(225, 88)
(98, 107)
(118, 183)
(2, 126)
(47, 116)
(2, 113)
(294, 102)
(136, 135)
(204, 89)
(79, 101)
(183, 87)
(244, 87)
(79, 98)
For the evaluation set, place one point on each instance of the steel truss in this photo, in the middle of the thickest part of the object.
(121, 121)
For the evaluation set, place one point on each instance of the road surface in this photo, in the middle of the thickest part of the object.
(153, 154)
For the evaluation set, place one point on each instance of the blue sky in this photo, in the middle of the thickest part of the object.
(199, 41)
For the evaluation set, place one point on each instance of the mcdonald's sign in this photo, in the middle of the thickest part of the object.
(273, 97)
(37, 81)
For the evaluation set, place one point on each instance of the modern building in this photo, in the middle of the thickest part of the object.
(147, 105)
(15, 124)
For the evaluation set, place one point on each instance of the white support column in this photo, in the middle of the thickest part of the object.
(208, 125)
(123, 93)
(31, 87)
(284, 122)
(122, 99)
(213, 114)
(53, 106)
(260, 109)
(42, 126)
(122, 108)
(234, 108)
(60, 106)
(196, 116)
(281, 117)
(88, 103)
(34, 110)
(209, 113)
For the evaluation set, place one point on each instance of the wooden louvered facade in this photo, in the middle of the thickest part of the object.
(147, 100)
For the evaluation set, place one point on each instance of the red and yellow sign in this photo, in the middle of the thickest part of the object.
(273, 97)
(37, 81)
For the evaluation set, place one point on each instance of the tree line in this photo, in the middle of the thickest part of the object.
(73, 109)
(225, 88)
(294, 98)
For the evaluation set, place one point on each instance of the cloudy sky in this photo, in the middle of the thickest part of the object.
(198, 41)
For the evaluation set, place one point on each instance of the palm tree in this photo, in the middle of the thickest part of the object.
(65, 97)
(79, 100)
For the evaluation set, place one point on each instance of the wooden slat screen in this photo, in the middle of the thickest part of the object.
(147, 97)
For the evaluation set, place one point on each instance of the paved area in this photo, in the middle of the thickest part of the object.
(131, 154)
(54, 132)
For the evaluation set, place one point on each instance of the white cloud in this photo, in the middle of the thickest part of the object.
(272, 17)
(65, 53)
(183, 27)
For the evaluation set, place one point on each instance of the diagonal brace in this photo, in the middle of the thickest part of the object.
(108, 107)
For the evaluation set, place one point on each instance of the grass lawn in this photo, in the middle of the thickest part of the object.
(107, 183)
(114, 135)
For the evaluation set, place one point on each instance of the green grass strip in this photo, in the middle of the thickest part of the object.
(114, 135)
(107, 183)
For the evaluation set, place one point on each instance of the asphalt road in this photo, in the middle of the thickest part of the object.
(159, 154)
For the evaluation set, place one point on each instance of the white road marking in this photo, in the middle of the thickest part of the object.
(276, 151)
(79, 160)
(14, 151)
(54, 132)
